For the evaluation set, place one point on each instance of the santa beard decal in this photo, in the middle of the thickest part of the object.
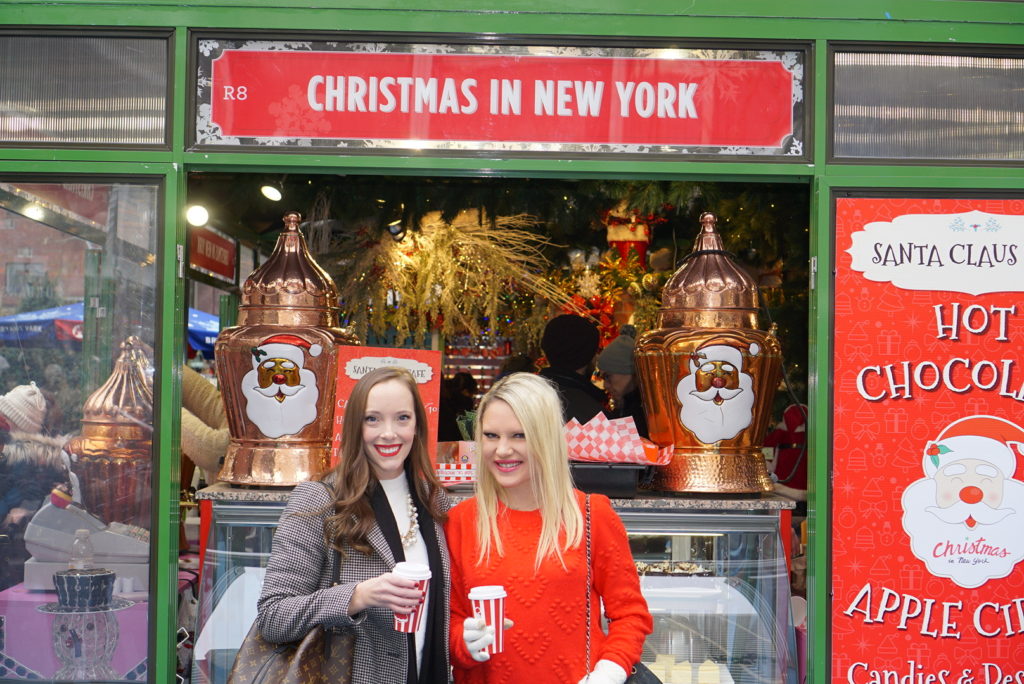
(280, 409)
(969, 543)
(717, 401)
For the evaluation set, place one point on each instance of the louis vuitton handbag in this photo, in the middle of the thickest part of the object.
(323, 656)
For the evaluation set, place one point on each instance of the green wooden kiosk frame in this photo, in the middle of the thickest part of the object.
(820, 25)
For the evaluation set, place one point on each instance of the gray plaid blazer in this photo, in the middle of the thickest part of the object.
(297, 592)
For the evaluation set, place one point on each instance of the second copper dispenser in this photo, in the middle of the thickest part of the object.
(277, 369)
(708, 375)
(112, 456)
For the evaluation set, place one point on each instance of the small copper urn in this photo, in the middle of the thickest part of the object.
(112, 457)
(708, 375)
(277, 368)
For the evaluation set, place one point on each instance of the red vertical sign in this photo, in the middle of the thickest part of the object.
(213, 253)
(423, 364)
(928, 442)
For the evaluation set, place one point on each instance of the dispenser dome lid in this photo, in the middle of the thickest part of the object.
(127, 395)
(709, 279)
(290, 278)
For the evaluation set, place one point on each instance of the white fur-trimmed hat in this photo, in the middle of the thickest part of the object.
(291, 347)
(25, 407)
(985, 438)
(722, 352)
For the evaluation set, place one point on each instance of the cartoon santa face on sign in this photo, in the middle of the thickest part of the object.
(280, 393)
(717, 397)
(965, 517)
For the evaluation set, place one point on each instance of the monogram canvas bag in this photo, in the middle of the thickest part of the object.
(323, 656)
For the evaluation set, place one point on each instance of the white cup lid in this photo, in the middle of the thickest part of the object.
(413, 571)
(492, 591)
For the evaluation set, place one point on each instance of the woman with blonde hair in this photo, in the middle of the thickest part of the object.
(525, 530)
(382, 504)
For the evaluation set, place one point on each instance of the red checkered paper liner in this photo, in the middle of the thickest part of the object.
(615, 440)
(450, 473)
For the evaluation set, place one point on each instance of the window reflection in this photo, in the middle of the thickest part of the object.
(61, 89)
(77, 323)
(918, 106)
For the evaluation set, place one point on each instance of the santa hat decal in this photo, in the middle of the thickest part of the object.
(284, 347)
(723, 352)
(985, 438)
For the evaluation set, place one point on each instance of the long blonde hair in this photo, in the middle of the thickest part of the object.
(538, 408)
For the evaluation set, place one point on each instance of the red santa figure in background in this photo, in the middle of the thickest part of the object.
(965, 517)
(627, 230)
(717, 397)
(789, 439)
(280, 392)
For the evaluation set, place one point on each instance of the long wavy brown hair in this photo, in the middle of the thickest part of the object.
(353, 479)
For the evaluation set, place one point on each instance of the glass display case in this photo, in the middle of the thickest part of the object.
(717, 586)
(715, 580)
(241, 531)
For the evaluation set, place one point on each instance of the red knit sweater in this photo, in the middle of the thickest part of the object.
(547, 643)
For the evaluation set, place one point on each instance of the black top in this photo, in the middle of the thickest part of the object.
(632, 406)
(432, 668)
(580, 398)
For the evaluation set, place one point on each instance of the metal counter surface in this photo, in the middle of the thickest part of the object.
(222, 492)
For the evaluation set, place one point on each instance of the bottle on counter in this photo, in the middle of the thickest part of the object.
(81, 551)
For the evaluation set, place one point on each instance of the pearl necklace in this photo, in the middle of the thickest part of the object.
(409, 538)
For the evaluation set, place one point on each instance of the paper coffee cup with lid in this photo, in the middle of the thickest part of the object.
(489, 604)
(419, 573)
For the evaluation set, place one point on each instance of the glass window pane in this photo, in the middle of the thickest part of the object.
(68, 89)
(907, 106)
(78, 282)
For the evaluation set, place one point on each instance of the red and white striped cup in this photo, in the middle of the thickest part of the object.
(489, 603)
(419, 573)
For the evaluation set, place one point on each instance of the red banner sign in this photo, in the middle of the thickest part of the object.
(928, 442)
(68, 330)
(501, 98)
(213, 253)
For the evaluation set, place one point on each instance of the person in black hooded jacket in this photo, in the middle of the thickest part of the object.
(570, 344)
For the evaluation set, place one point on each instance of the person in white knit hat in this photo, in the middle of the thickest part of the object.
(25, 408)
(30, 466)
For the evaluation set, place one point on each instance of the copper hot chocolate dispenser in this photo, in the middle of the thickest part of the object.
(708, 375)
(112, 456)
(277, 369)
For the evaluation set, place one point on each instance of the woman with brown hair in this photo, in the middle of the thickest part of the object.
(382, 504)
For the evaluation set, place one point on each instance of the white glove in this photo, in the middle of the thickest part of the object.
(478, 636)
(605, 672)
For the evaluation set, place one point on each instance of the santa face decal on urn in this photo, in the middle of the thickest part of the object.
(965, 517)
(717, 397)
(280, 393)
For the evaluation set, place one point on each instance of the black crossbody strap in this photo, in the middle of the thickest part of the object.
(586, 627)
